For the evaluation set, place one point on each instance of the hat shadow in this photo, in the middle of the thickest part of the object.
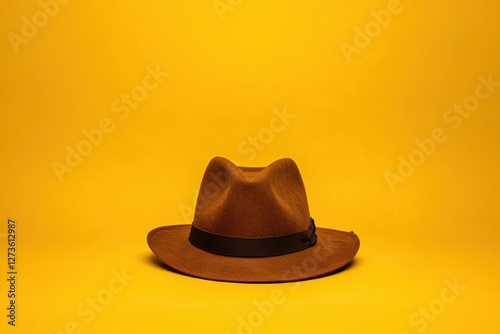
(154, 261)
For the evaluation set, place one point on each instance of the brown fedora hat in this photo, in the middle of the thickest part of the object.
(253, 225)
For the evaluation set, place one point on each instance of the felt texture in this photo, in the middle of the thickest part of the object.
(249, 202)
(252, 202)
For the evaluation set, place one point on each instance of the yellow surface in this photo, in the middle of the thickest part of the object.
(353, 106)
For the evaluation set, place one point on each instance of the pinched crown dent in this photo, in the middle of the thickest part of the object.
(252, 202)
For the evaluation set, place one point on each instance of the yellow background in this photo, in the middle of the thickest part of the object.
(228, 71)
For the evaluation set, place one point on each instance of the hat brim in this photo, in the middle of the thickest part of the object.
(333, 251)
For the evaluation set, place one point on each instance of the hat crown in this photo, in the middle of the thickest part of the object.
(249, 202)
